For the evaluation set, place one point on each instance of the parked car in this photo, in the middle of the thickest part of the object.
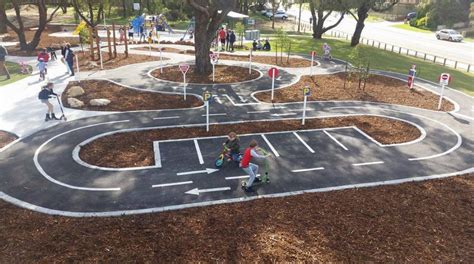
(265, 11)
(449, 34)
(410, 16)
(279, 14)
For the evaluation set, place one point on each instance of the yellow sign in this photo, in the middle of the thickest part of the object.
(207, 96)
(306, 91)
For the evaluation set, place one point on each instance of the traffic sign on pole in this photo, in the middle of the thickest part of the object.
(313, 55)
(273, 73)
(444, 79)
(184, 69)
(214, 59)
(207, 98)
(411, 76)
(306, 93)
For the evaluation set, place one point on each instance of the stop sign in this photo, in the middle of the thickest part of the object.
(273, 72)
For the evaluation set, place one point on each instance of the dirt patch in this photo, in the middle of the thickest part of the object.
(6, 138)
(425, 221)
(125, 99)
(86, 64)
(223, 74)
(135, 149)
(378, 89)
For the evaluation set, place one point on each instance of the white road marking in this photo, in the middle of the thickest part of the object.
(284, 114)
(218, 114)
(258, 112)
(240, 177)
(218, 100)
(270, 146)
(300, 110)
(197, 191)
(166, 117)
(242, 99)
(310, 169)
(304, 143)
(207, 170)
(171, 184)
(335, 140)
(156, 149)
(198, 150)
(235, 104)
(367, 163)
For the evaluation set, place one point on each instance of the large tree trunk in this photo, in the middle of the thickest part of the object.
(124, 9)
(299, 17)
(362, 12)
(202, 45)
(3, 18)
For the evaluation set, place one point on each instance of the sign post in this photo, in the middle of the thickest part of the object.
(313, 54)
(161, 60)
(100, 55)
(444, 80)
(273, 73)
(214, 58)
(207, 98)
(77, 66)
(411, 76)
(250, 62)
(149, 44)
(306, 93)
(184, 69)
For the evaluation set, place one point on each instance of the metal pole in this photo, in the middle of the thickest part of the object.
(441, 97)
(184, 85)
(273, 82)
(77, 66)
(207, 116)
(304, 109)
(213, 72)
(161, 62)
(101, 61)
(312, 62)
(250, 62)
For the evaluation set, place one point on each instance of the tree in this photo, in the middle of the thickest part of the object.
(43, 20)
(363, 7)
(209, 15)
(317, 8)
(3, 18)
(92, 20)
(240, 29)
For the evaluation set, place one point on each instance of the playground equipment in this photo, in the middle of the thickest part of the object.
(161, 20)
(190, 29)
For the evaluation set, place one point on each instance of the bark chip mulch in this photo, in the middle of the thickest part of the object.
(378, 89)
(223, 74)
(135, 149)
(423, 222)
(165, 49)
(282, 62)
(6, 138)
(125, 99)
(85, 62)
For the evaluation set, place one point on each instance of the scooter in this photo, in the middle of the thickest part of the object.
(226, 156)
(63, 117)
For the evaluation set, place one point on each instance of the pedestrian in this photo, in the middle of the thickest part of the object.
(45, 56)
(267, 46)
(142, 34)
(232, 39)
(251, 168)
(254, 45)
(63, 56)
(3, 66)
(41, 68)
(222, 37)
(52, 52)
(227, 40)
(327, 51)
(44, 95)
(122, 34)
(130, 34)
(69, 56)
(259, 45)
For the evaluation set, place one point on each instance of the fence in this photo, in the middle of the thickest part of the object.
(397, 49)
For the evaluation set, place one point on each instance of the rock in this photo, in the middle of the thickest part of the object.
(75, 103)
(75, 91)
(99, 102)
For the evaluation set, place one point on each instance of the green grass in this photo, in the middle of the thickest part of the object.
(15, 74)
(387, 61)
(410, 28)
(374, 18)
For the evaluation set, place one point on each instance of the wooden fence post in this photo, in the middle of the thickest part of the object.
(91, 42)
(115, 41)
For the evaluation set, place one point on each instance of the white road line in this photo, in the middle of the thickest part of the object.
(304, 143)
(166, 117)
(270, 145)
(300, 110)
(239, 177)
(311, 169)
(156, 149)
(218, 114)
(171, 184)
(218, 100)
(198, 150)
(367, 163)
(335, 140)
(258, 112)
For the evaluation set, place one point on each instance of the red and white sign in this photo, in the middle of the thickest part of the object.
(444, 79)
(273, 72)
(313, 53)
(214, 57)
(184, 68)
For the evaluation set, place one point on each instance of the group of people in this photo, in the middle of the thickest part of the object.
(251, 152)
(226, 38)
(257, 45)
(138, 28)
(47, 54)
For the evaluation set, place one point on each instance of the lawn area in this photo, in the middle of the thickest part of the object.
(385, 60)
(415, 29)
(15, 74)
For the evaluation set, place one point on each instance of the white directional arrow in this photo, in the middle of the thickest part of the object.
(207, 170)
(285, 114)
(196, 191)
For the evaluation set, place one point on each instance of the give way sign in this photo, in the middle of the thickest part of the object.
(184, 68)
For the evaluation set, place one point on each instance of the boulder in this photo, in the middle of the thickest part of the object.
(75, 103)
(99, 102)
(75, 91)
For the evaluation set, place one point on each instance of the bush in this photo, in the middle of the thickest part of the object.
(422, 22)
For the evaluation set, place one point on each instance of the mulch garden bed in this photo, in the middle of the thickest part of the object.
(6, 138)
(125, 99)
(135, 149)
(291, 63)
(86, 64)
(378, 89)
(223, 74)
(166, 49)
(426, 222)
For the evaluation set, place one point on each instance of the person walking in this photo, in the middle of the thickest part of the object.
(232, 39)
(63, 56)
(69, 57)
(251, 168)
(44, 95)
(3, 66)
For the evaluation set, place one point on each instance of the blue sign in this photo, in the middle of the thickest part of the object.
(306, 91)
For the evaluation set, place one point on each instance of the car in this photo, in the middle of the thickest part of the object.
(279, 14)
(449, 34)
(410, 16)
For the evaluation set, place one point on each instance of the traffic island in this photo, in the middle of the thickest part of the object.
(223, 74)
(342, 87)
(6, 138)
(122, 98)
(135, 149)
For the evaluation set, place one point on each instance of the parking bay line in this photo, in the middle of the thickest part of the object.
(198, 150)
(156, 150)
(304, 143)
(239, 177)
(171, 184)
(270, 145)
(218, 114)
(166, 117)
(335, 140)
(367, 163)
(258, 112)
(310, 169)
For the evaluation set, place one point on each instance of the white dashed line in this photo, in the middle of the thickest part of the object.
(239, 177)
(311, 169)
(198, 150)
(304, 143)
(166, 117)
(258, 112)
(270, 146)
(335, 140)
(171, 184)
(367, 163)
(218, 114)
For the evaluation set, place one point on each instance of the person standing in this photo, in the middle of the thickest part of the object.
(222, 37)
(63, 56)
(44, 95)
(251, 168)
(69, 56)
(3, 67)
(122, 34)
(227, 40)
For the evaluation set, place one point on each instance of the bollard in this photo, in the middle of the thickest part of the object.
(468, 67)
(434, 59)
(400, 50)
(379, 45)
(416, 54)
(408, 51)
(392, 48)
(385, 47)
(455, 64)
(444, 62)
(424, 58)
